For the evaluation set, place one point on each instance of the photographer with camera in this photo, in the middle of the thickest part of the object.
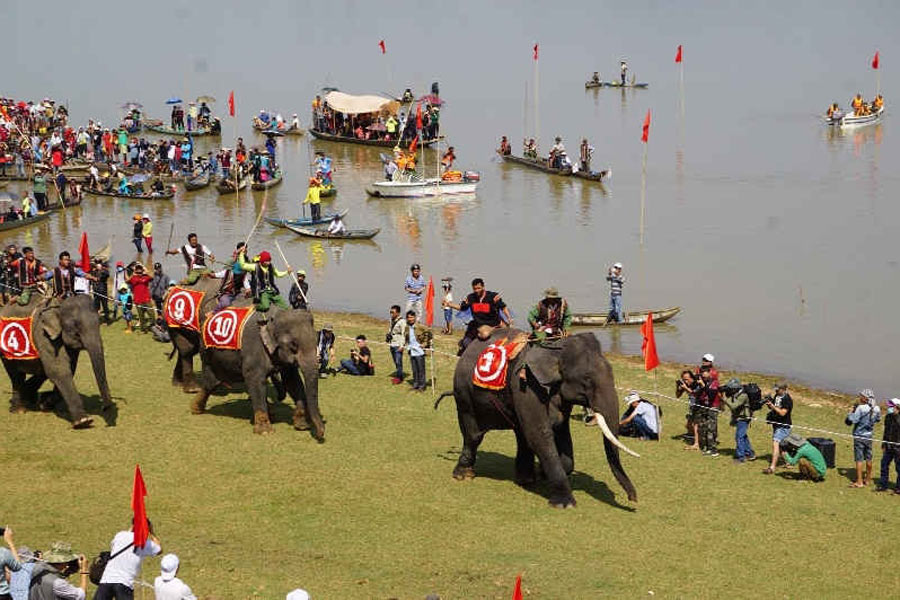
(9, 559)
(360, 361)
(779, 417)
(709, 401)
(689, 384)
(810, 462)
(736, 399)
(48, 579)
(863, 417)
(394, 337)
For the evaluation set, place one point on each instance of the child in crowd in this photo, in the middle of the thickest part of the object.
(447, 287)
(863, 418)
(126, 301)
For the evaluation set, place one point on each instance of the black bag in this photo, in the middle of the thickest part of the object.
(98, 565)
(754, 397)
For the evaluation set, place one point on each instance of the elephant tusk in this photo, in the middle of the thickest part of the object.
(599, 420)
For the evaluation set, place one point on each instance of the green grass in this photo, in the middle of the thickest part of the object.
(374, 513)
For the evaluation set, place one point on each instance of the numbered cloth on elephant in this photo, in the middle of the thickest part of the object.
(492, 365)
(224, 328)
(16, 341)
(182, 308)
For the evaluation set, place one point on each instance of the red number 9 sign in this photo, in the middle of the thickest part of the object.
(181, 309)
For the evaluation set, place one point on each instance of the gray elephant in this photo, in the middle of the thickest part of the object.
(59, 332)
(186, 342)
(543, 383)
(284, 346)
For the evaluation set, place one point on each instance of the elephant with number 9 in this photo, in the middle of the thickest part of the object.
(544, 382)
(59, 332)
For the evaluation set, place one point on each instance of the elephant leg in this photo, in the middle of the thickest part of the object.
(290, 378)
(525, 472)
(563, 437)
(61, 377)
(17, 379)
(472, 437)
(541, 440)
(257, 389)
(188, 381)
(279, 385)
(209, 382)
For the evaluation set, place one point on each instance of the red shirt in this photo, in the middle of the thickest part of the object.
(140, 288)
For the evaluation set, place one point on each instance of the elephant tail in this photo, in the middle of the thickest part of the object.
(612, 457)
(441, 397)
(172, 353)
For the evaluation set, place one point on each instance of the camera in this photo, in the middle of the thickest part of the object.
(2, 530)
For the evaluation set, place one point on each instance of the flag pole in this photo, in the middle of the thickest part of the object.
(643, 190)
(537, 118)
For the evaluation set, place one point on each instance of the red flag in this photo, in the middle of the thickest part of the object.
(381, 45)
(141, 527)
(678, 54)
(517, 591)
(648, 346)
(429, 302)
(646, 134)
(419, 116)
(414, 144)
(535, 52)
(875, 60)
(231, 103)
(84, 252)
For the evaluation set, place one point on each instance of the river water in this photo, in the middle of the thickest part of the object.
(775, 235)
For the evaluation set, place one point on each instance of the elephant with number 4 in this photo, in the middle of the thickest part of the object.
(285, 346)
(544, 382)
(60, 330)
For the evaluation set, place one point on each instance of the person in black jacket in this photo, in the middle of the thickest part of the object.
(100, 288)
(295, 298)
(890, 446)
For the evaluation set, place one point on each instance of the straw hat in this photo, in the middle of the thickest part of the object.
(59, 553)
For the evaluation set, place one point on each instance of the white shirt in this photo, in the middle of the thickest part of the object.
(174, 589)
(648, 412)
(126, 567)
(63, 590)
(81, 285)
(95, 173)
(337, 226)
(191, 252)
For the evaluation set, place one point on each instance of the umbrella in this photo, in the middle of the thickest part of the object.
(132, 105)
(138, 178)
(173, 100)
(431, 99)
(206, 99)
(377, 127)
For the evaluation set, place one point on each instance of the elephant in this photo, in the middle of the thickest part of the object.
(60, 331)
(285, 346)
(544, 382)
(186, 342)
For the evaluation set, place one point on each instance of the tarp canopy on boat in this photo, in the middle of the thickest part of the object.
(356, 105)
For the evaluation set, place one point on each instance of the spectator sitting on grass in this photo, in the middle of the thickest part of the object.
(9, 559)
(809, 461)
(779, 416)
(891, 446)
(167, 586)
(737, 401)
(48, 580)
(863, 418)
(360, 361)
(642, 418)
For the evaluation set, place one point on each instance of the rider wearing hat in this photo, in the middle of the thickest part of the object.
(550, 316)
(262, 284)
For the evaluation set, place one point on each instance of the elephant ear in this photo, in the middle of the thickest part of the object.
(543, 363)
(50, 323)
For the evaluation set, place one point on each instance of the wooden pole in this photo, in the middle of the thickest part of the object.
(537, 97)
(293, 275)
(643, 189)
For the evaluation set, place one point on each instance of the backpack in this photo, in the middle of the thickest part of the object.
(98, 565)
(754, 397)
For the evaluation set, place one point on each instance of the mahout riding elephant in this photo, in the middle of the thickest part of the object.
(544, 382)
(285, 345)
(60, 330)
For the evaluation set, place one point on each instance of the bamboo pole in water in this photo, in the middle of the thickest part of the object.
(643, 190)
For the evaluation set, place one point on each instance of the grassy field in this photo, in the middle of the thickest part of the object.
(374, 513)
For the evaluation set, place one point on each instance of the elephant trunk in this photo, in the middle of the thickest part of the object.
(98, 363)
(608, 435)
(605, 404)
(310, 369)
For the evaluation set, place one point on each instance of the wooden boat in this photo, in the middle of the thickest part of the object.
(7, 225)
(350, 234)
(262, 185)
(850, 120)
(166, 195)
(278, 132)
(636, 317)
(617, 84)
(226, 186)
(306, 221)
(330, 137)
(541, 165)
(197, 183)
(433, 186)
(14, 178)
(203, 131)
(103, 253)
(594, 175)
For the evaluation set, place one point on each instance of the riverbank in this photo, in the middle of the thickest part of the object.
(374, 513)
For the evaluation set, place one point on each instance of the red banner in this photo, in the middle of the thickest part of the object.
(491, 367)
(678, 56)
(535, 51)
(182, 308)
(16, 342)
(231, 103)
(382, 46)
(224, 328)
(875, 61)
(648, 346)
(141, 527)
(645, 135)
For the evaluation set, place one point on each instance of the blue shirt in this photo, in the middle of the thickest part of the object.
(7, 560)
(415, 349)
(20, 581)
(415, 284)
(863, 419)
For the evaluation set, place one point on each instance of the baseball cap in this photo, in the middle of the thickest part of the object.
(617, 266)
(415, 266)
(298, 594)
(709, 358)
(168, 566)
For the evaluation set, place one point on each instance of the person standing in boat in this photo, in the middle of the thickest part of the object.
(624, 71)
(505, 148)
(313, 198)
(596, 78)
(447, 159)
(616, 282)
(586, 151)
(530, 149)
(556, 154)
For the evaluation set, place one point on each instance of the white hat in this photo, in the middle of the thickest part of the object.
(709, 358)
(298, 594)
(617, 266)
(632, 397)
(895, 402)
(168, 566)
(146, 216)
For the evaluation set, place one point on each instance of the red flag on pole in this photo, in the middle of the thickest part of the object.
(382, 46)
(535, 52)
(517, 591)
(419, 116)
(875, 61)
(678, 54)
(414, 144)
(648, 346)
(141, 527)
(231, 103)
(84, 252)
(646, 134)
(429, 302)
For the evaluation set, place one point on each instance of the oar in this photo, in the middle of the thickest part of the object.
(293, 275)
